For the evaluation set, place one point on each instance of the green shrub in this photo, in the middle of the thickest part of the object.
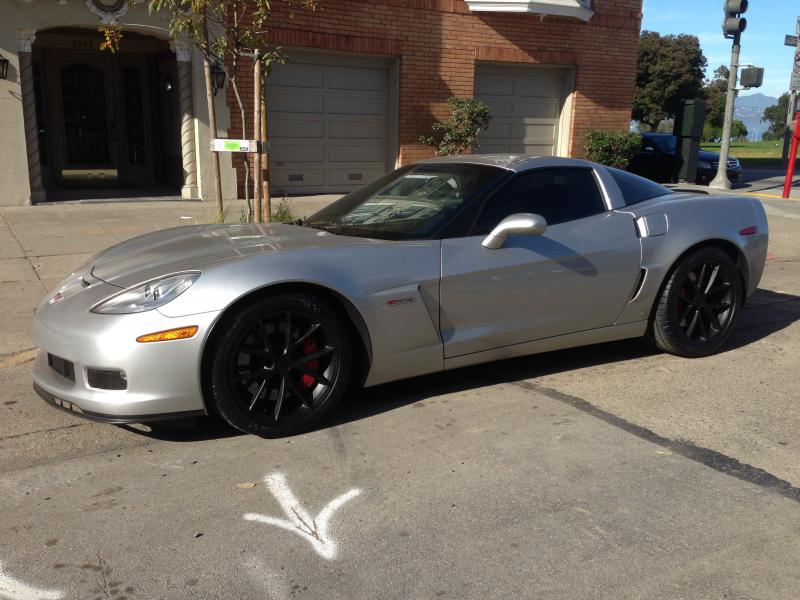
(612, 148)
(460, 132)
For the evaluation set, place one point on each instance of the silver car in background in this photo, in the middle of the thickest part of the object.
(442, 264)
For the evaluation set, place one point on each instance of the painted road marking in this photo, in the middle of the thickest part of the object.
(14, 589)
(316, 530)
(760, 195)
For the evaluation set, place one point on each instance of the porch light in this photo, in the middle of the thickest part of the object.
(217, 77)
(3, 67)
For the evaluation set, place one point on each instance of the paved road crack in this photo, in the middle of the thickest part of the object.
(705, 456)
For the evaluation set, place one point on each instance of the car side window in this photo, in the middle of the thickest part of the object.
(557, 194)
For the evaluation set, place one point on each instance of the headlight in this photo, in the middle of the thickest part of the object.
(146, 296)
(704, 165)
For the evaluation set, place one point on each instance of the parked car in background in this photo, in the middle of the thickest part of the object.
(657, 160)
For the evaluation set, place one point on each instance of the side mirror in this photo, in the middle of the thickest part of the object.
(516, 224)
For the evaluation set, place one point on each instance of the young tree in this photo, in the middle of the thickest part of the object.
(669, 69)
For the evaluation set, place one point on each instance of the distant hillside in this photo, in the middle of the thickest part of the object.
(749, 110)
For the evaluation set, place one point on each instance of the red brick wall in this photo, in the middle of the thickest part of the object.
(438, 42)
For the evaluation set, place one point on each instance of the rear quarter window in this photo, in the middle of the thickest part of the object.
(636, 189)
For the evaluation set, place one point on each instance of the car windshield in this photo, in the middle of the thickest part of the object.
(666, 143)
(410, 203)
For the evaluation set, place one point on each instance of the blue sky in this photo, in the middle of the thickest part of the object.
(768, 21)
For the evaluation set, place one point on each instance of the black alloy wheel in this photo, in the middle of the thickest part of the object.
(282, 366)
(699, 305)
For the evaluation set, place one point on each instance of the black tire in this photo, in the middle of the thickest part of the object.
(699, 304)
(281, 366)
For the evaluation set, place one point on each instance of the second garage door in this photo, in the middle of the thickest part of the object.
(329, 123)
(526, 104)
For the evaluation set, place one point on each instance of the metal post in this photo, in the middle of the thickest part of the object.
(265, 157)
(257, 174)
(721, 180)
(787, 184)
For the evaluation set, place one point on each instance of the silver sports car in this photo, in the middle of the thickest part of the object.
(439, 265)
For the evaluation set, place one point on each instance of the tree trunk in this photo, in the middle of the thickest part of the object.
(212, 126)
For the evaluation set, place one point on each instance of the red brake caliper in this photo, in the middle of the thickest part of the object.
(307, 381)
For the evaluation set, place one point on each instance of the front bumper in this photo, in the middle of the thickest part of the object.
(163, 378)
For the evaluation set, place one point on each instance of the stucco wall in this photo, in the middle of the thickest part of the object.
(46, 14)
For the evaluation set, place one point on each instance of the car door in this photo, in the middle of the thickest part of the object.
(577, 276)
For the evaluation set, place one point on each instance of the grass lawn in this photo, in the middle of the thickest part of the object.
(753, 154)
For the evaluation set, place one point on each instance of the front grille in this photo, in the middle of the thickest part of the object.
(731, 163)
(62, 366)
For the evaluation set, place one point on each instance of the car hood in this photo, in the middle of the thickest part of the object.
(190, 248)
(708, 156)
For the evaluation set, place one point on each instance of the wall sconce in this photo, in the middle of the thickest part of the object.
(168, 84)
(3, 67)
(217, 77)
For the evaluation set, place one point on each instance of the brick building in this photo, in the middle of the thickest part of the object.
(367, 78)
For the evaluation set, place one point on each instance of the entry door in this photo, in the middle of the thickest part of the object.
(88, 153)
(133, 138)
(577, 276)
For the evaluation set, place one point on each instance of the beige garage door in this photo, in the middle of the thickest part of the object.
(328, 122)
(526, 105)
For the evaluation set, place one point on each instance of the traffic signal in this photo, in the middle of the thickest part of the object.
(734, 23)
(752, 77)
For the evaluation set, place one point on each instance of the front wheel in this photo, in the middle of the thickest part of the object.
(281, 366)
(699, 305)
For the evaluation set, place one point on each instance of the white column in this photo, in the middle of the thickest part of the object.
(183, 54)
(25, 38)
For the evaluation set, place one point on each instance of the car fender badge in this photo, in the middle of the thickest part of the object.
(57, 298)
(399, 301)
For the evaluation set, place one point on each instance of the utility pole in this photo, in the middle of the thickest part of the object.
(794, 86)
(732, 27)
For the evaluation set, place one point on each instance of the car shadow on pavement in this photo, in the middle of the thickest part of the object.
(765, 312)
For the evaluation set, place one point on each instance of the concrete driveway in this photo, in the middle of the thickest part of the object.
(602, 472)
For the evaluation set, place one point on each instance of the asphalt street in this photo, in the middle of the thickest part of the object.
(604, 472)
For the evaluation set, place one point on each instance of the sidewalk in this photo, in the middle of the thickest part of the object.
(40, 245)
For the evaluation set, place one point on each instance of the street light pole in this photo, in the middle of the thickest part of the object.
(721, 180)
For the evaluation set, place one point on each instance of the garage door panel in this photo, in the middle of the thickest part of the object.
(499, 107)
(496, 130)
(359, 79)
(284, 152)
(297, 177)
(288, 126)
(354, 175)
(356, 105)
(540, 133)
(352, 152)
(540, 108)
(356, 129)
(494, 85)
(292, 102)
(543, 87)
(298, 75)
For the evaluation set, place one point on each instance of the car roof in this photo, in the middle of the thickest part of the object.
(510, 162)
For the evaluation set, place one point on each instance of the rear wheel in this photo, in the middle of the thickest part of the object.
(699, 305)
(282, 366)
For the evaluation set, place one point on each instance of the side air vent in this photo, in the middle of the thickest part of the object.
(637, 290)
